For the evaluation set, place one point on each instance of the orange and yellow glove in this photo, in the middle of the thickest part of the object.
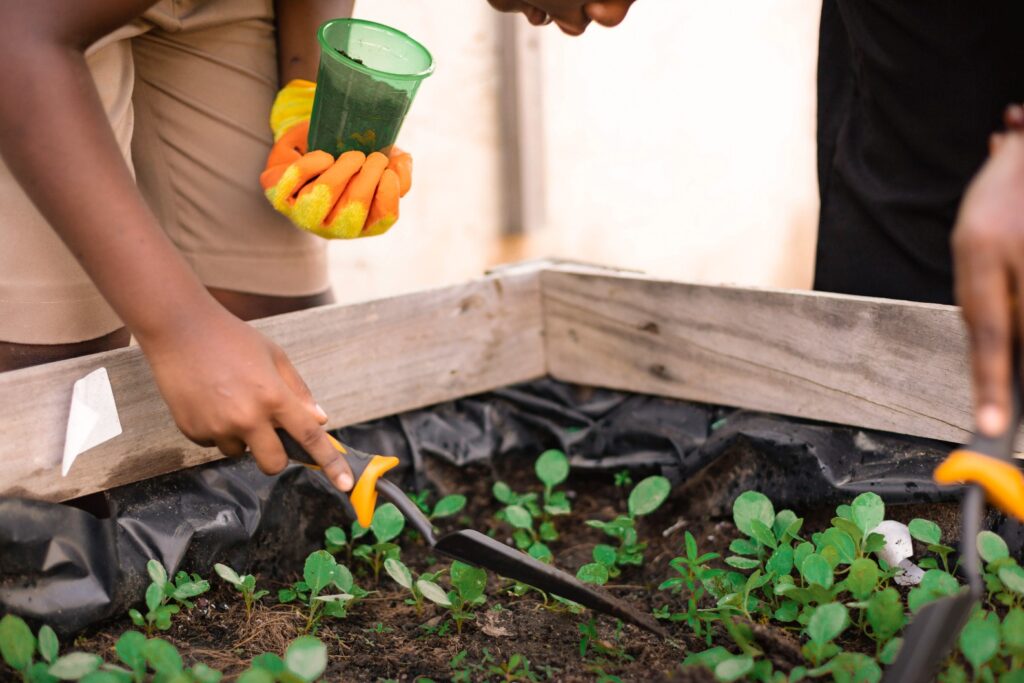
(354, 196)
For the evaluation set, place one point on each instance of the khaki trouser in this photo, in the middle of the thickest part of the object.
(187, 89)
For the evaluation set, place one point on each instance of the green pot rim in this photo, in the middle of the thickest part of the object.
(333, 53)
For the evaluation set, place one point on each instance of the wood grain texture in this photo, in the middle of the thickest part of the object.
(894, 366)
(361, 361)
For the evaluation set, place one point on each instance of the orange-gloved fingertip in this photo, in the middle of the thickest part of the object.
(401, 163)
(384, 210)
(364, 493)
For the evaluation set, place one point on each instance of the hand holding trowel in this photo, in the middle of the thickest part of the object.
(986, 466)
(468, 545)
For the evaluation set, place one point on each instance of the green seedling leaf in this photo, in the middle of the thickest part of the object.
(787, 611)
(256, 676)
(75, 665)
(1012, 577)
(849, 527)
(17, 644)
(845, 512)
(594, 572)
(854, 667)
(605, 554)
(335, 535)
(1013, 631)
(816, 569)
(448, 506)
(925, 531)
(743, 546)
(845, 547)
(862, 578)
(431, 591)
(504, 494)
(992, 547)
(49, 646)
(306, 657)
(270, 662)
(868, 511)
(709, 658)
(889, 651)
(228, 574)
(552, 468)
(801, 553)
(468, 580)
(157, 573)
(318, 572)
(129, 650)
(540, 552)
(388, 522)
(979, 641)
(734, 668)
(781, 561)
(518, 517)
(190, 589)
(751, 505)
(161, 656)
(762, 534)
(399, 572)
(154, 596)
(827, 622)
(648, 495)
(104, 677)
(204, 674)
(742, 562)
(783, 520)
(547, 531)
(934, 584)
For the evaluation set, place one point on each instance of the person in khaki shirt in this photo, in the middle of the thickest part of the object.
(133, 135)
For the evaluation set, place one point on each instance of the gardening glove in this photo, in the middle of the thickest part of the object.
(354, 196)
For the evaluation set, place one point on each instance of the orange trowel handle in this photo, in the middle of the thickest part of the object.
(988, 461)
(366, 470)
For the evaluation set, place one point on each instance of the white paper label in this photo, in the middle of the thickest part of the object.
(93, 418)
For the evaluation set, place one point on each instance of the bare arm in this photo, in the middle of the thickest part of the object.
(224, 383)
(298, 52)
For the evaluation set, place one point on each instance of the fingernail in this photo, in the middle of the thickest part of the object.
(991, 420)
(344, 481)
(320, 413)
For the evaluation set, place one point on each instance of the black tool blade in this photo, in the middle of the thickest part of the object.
(930, 638)
(477, 549)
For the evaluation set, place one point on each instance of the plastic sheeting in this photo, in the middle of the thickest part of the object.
(70, 568)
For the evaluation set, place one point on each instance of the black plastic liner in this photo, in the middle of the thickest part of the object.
(69, 568)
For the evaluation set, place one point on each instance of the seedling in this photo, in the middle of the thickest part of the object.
(165, 598)
(246, 585)
(644, 499)
(591, 643)
(468, 585)
(446, 507)
(321, 572)
(693, 575)
(532, 516)
(423, 587)
(386, 526)
(305, 659)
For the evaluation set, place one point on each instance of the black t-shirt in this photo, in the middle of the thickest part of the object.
(908, 93)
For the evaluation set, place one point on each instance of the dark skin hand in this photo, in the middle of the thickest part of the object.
(226, 385)
(988, 255)
(572, 16)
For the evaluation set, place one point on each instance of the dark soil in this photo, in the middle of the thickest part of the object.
(383, 638)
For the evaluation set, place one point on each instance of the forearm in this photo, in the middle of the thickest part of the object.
(298, 52)
(55, 137)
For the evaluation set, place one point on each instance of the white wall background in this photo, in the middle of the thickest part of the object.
(680, 143)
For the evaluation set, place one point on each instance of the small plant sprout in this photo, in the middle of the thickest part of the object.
(423, 587)
(693, 574)
(446, 507)
(246, 585)
(468, 586)
(305, 661)
(321, 572)
(165, 598)
(645, 498)
(532, 516)
(386, 526)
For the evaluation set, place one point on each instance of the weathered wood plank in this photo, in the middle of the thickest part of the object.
(361, 361)
(895, 366)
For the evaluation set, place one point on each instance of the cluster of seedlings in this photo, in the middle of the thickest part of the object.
(829, 592)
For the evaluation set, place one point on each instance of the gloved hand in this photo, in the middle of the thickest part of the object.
(354, 196)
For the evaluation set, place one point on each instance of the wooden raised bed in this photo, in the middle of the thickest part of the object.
(895, 366)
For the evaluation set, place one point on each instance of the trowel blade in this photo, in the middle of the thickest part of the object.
(930, 638)
(477, 549)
